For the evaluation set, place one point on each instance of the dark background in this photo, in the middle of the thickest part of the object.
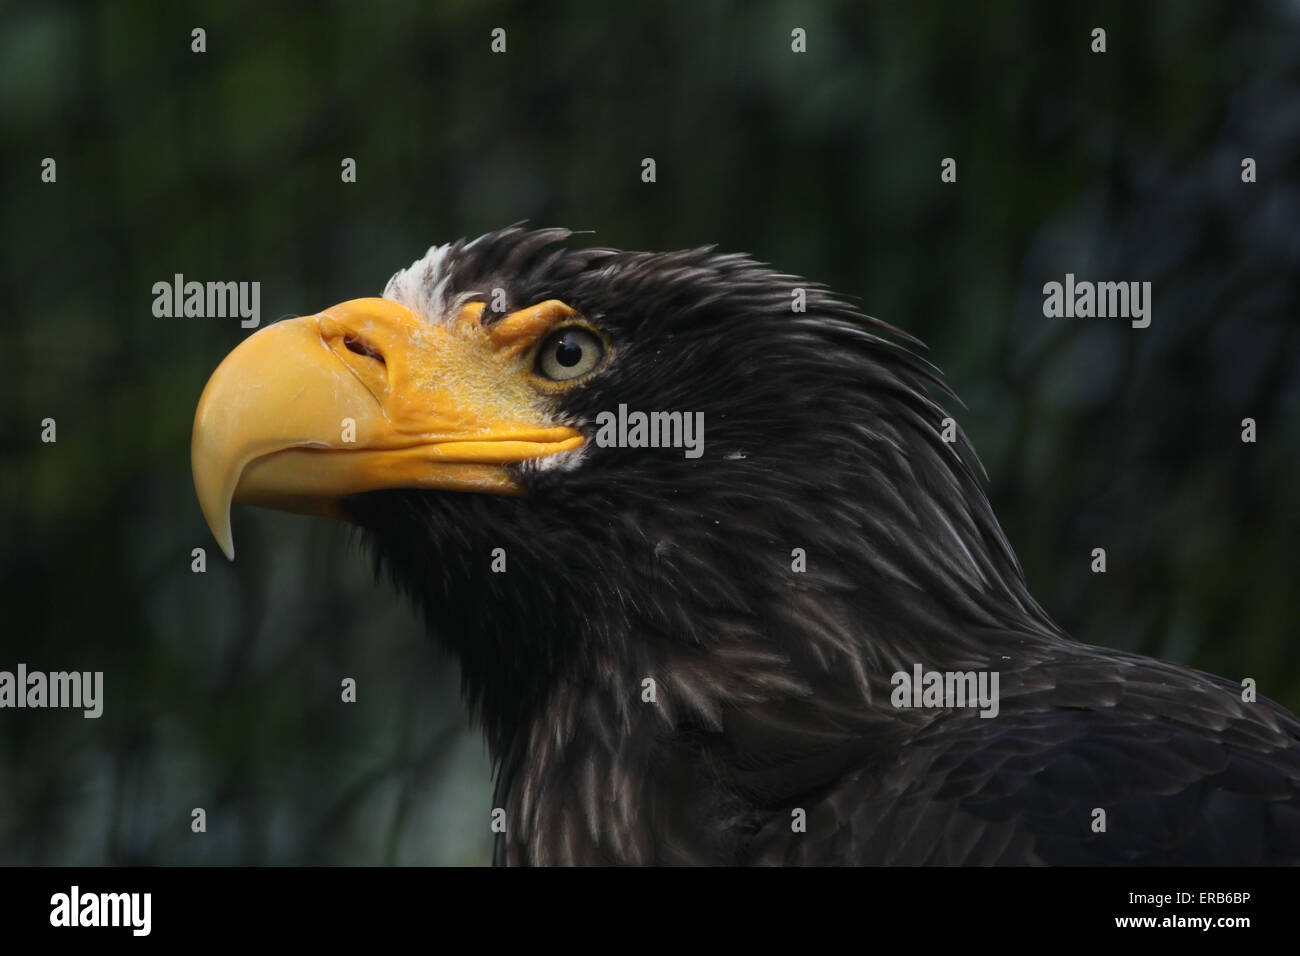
(222, 688)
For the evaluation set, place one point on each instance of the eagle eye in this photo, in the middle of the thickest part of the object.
(569, 353)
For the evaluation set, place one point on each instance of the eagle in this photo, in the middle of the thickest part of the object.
(794, 634)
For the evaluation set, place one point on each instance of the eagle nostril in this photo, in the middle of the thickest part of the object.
(362, 347)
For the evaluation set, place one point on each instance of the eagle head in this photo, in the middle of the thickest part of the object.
(641, 497)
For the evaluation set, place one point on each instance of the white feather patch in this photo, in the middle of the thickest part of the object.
(422, 287)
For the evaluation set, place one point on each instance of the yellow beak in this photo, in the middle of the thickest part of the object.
(365, 396)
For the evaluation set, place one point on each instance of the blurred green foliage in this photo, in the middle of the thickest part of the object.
(223, 688)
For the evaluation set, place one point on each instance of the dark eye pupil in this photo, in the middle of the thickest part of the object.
(568, 353)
